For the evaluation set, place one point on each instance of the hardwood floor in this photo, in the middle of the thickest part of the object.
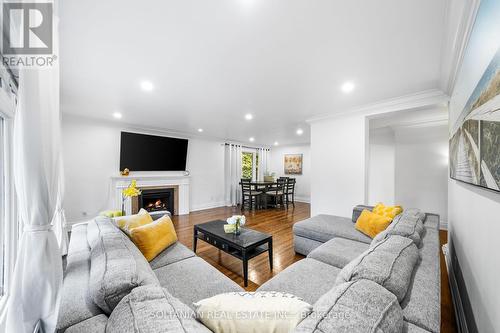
(279, 223)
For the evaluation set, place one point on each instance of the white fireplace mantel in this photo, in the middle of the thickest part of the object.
(151, 180)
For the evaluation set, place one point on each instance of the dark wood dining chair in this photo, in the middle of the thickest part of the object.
(290, 191)
(277, 193)
(249, 195)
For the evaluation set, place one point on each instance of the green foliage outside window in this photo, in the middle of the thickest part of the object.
(247, 166)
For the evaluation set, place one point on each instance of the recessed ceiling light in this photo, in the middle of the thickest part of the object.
(300, 131)
(147, 86)
(276, 143)
(252, 139)
(117, 115)
(200, 130)
(347, 87)
(248, 116)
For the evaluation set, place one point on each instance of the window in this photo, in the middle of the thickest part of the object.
(9, 225)
(247, 165)
(250, 164)
(3, 193)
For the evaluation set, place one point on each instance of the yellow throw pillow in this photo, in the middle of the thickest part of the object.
(388, 211)
(154, 237)
(372, 224)
(127, 223)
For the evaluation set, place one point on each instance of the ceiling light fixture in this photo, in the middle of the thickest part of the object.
(117, 115)
(252, 139)
(347, 87)
(248, 116)
(200, 130)
(300, 131)
(276, 143)
(147, 86)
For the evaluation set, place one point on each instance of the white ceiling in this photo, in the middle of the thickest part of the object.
(211, 62)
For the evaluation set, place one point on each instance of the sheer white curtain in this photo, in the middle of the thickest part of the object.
(232, 174)
(37, 279)
(263, 162)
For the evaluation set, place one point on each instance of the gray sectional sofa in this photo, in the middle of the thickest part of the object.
(177, 270)
(331, 243)
(110, 287)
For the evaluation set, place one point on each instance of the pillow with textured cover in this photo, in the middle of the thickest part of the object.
(152, 309)
(127, 223)
(387, 211)
(389, 263)
(415, 212)
(372, 224)
(405, 225)
(151, 239)
(249, 312)
(98, 226)
(116, 267)
(355, 306)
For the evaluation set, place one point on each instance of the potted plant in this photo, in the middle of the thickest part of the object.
(237, 221)
(129, 192)
(269, 176)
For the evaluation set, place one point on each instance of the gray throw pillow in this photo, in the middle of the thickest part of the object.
(116, 267)
(389, 263)
(356, 306)
(151, 309)
(405, 225)
(99, 226)
(415, 212)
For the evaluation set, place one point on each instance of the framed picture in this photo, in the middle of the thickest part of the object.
(475, 130)
(293, 164)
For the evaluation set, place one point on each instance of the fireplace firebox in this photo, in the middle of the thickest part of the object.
(154, 200)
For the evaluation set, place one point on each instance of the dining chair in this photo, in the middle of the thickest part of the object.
(249, 195)
(290, 191)
(277, 192)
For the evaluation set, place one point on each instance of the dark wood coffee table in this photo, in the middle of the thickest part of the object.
(245, 246)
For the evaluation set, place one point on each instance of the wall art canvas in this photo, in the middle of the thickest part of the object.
(293, 164)
(475, 120)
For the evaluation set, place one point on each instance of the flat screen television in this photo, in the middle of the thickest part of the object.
(141, 152)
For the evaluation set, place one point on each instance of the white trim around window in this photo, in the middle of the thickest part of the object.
(10, 231)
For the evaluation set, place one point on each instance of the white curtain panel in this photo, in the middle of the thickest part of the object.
(263, 162)
(34, 294)
(232, 174)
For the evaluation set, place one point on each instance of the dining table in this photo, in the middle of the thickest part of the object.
(264, 186)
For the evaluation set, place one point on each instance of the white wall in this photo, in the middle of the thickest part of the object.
(338, 173)
(382, 162)
(474, 228)
(422, 169)
(473, 213)
(276, 165)
(408, 166)
(91, 155)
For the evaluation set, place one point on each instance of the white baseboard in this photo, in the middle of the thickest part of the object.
(303, 199)
(208, 205)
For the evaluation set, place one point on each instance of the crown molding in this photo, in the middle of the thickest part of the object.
(455, 40)
(422, 99)
(439, 121)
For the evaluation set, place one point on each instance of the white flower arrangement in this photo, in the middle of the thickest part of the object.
(236, 220)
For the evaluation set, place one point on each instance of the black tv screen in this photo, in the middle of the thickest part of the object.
(140, 152)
